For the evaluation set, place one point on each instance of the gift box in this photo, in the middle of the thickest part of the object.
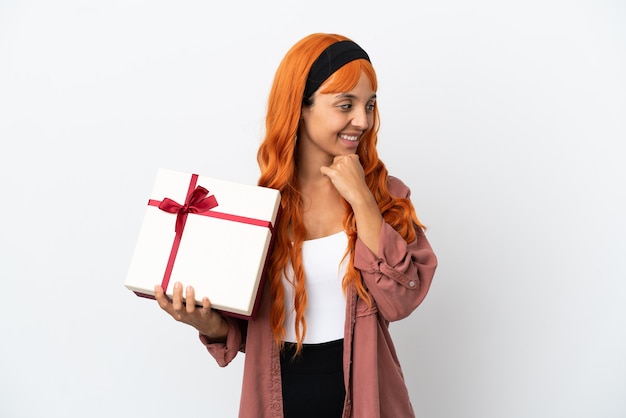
(211, 234)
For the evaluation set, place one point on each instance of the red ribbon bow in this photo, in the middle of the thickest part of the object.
(197, 202)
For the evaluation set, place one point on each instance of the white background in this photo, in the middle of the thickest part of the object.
(507, 119)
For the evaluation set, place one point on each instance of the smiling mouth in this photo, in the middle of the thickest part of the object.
(351, 138)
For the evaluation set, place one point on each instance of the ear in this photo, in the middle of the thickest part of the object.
(302, 109)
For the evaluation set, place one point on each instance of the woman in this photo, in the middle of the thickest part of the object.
(350, 254)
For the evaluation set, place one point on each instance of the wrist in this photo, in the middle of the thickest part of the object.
(218, 330)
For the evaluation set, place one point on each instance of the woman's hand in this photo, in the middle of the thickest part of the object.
(206, 320)
(346, 174)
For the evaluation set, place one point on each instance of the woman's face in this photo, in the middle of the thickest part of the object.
(335, 123)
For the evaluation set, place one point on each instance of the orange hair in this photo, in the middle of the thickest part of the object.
(277, 160)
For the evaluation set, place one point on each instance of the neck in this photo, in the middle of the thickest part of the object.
(309, 167)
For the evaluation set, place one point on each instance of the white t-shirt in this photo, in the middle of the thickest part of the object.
(326, 305)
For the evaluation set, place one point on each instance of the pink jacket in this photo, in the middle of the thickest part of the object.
(398, 279)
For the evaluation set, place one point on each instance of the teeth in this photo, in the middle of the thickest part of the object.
(350, 138)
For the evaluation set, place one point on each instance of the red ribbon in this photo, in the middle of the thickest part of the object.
(197, 203)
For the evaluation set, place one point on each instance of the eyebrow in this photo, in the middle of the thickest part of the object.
(353, 96)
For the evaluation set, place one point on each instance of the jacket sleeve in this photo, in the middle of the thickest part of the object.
(399, 276)
(225, 352)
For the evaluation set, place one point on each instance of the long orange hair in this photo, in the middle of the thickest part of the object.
(277, 160)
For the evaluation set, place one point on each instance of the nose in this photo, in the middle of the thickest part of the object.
(360, 118)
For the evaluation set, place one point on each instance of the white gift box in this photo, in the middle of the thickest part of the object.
(222, 244)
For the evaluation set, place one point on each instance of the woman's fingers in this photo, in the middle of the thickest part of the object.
(159, 295)
(177, 297)
(190, 299)
(206, 304)
(204, 318)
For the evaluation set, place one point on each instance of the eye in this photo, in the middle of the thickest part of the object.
(345, 106)
(370, 106)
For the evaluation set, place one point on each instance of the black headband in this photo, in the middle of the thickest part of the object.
(330, 60)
